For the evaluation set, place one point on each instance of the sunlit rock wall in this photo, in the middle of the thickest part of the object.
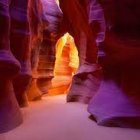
(66, 64)
(43, 54)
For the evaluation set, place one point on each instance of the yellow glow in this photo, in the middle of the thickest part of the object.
(73, 53)
(66, 64)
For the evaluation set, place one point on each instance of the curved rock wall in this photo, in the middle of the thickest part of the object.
(24, 27)
(14, 61)
(117, 101)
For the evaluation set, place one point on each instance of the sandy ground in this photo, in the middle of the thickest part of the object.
(54, 119)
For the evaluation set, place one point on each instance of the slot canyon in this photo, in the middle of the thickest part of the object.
(69, 69)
